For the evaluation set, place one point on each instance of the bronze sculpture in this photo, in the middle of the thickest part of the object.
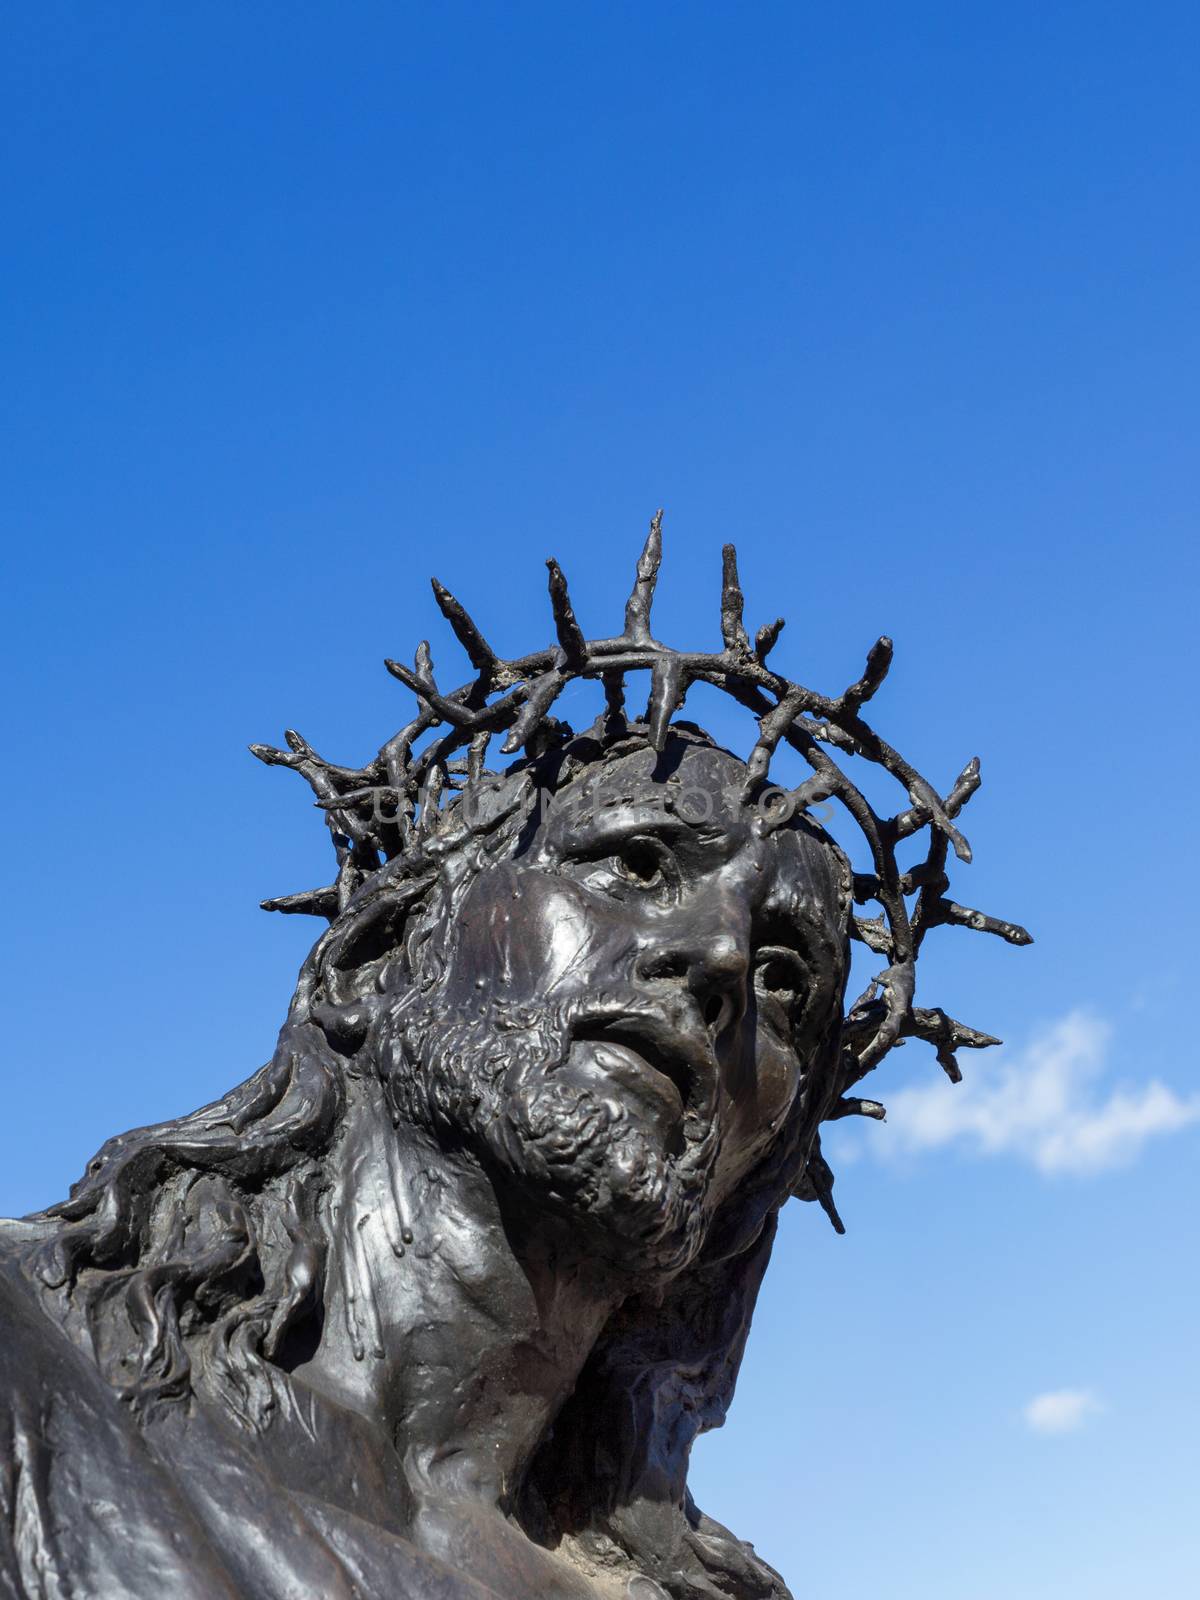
(436, 1303)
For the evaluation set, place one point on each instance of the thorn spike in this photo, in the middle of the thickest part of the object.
(482, 656)
(637, 608)
(965, 785)
(851, 1106)
(570, 636)
(614, 697)
(309, 902)
(821, 1178)
(732, 604)
(879, 660)
(542, 695)
(665, 696)
(269, 756)
(765, 638)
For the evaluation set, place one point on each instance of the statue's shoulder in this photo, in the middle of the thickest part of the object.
(94, 1503)
(84, 1506)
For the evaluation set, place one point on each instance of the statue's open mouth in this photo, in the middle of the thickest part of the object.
(677, 1069)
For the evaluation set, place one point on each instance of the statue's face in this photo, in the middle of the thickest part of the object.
(656, 971)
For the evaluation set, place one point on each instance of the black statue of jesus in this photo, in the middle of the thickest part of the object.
(435, 1304)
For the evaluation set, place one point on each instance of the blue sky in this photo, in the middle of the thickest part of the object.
(303, 303)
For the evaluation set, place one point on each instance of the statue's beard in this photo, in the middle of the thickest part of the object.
(495, 1084)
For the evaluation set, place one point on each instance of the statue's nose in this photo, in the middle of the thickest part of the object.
(708, 954)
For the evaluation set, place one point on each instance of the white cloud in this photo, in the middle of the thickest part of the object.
(1044, 1104)
(1062, 1411)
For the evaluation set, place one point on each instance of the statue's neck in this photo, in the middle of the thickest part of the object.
(447, 1323)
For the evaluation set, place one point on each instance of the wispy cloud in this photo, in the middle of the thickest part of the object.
(1061, 1411)
(1046, 1104)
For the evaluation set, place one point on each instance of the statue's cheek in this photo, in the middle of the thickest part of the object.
(778, 1076)
(759, 1101)
(527, 936)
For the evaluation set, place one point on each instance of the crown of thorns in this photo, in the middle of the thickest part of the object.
(515, 698)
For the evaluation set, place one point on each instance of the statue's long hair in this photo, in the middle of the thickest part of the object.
(205, 1235)
(204, 1227)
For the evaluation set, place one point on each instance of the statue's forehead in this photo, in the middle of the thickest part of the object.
(698, 783)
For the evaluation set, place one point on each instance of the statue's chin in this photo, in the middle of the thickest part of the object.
(611, 1168)
(634, 1203)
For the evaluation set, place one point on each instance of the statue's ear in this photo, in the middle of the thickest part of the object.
(362, 969)
(361, 958)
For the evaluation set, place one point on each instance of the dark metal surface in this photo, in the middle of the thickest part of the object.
(437, 1302)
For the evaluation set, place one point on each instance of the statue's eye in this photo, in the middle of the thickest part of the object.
(780, 975)
(641, 862)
